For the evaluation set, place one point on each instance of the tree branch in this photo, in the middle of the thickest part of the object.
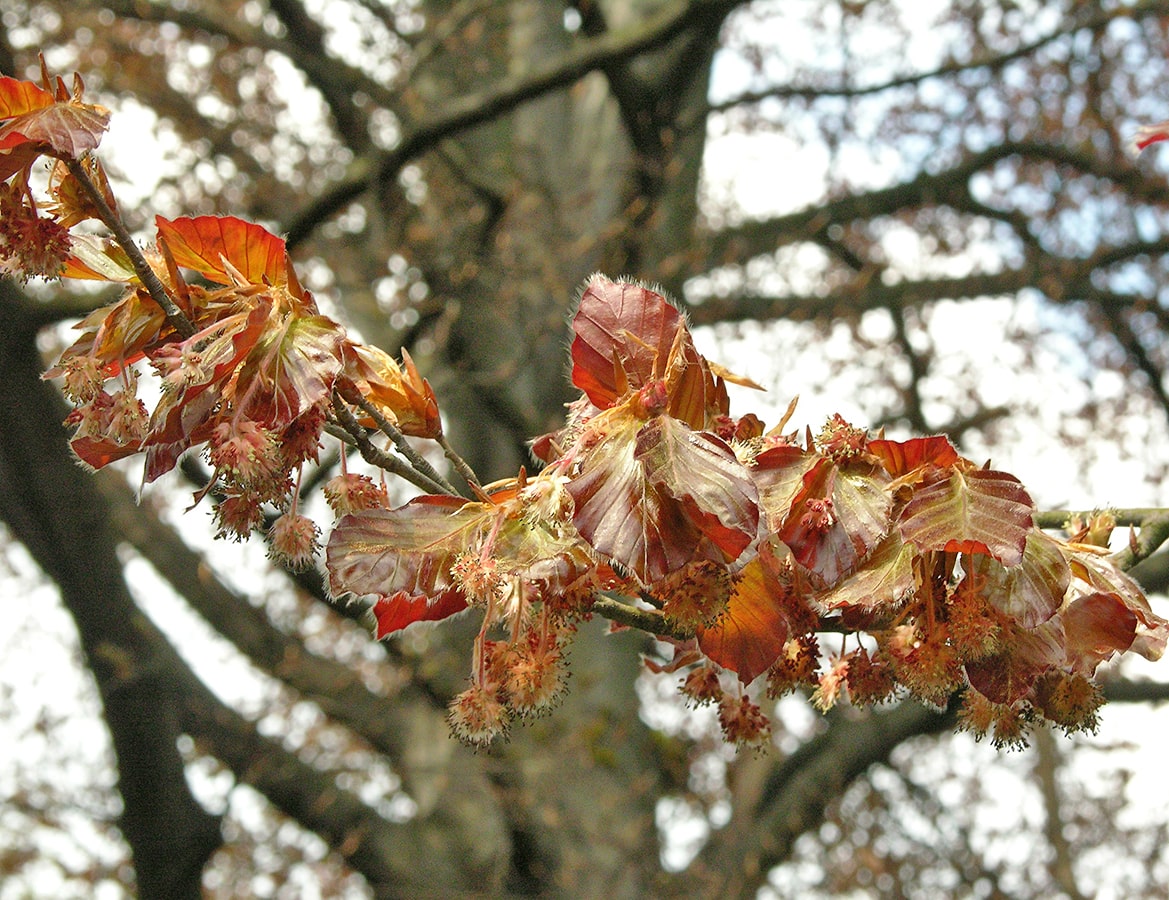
(461, 113)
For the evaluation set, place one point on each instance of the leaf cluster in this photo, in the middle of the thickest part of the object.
(655, 506)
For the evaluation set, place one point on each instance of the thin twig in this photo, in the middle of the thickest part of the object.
(460, 464)
(375, 456)
(403, 446)
(154, 286)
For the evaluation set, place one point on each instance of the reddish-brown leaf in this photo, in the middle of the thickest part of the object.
(884, 581)
(1009, 676)
(779, 474)
(837, 520)
(620, 325)
(210, 245)
(702, 471)
(637, 522)
(291, 368)
(749, 635)
(979, 511)
(98, 452)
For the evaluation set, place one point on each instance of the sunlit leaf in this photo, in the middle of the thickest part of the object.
(399, 392)
(884, 581)
(979, 511)
(18, 98)
(209, 244)
(97, 259)
(695, 396)
(67, 127)
(411, 548)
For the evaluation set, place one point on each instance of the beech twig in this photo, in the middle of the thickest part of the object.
(154, 286)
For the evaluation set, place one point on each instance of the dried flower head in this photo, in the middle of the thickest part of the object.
(477, 716)
(349, 492)
(293, 540)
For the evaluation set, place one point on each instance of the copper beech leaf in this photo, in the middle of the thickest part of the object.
(68, 127)
(1032, 591)
(291, 368)
(623, 325)
(903, 457)
(399, 392)
(701, 470)
(749, 635)
(884, 581)
(209, 244)
(20, 97)
(1096, 626)
(837, 520)
(779, 476)
(694, 395)
(401, 610)
(978, 511)
(1010, 675)
(654, 523)
(410, 549)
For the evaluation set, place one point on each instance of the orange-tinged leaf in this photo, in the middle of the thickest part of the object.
(694, 395)
(404, 397)
(19, 97)
(980, 511)
(210, 245)
(902, 457)
(95, 258)
(1096, 627)
(748, 637)
(68, 127)
(401, 610)
(99, 452)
